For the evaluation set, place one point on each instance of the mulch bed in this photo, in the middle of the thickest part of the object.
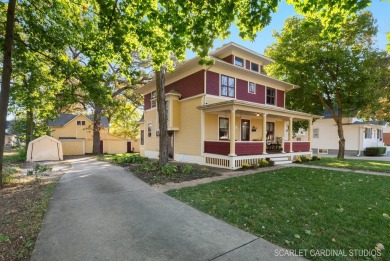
(156, 177)
(21, 210)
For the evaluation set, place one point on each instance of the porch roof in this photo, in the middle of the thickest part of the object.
(256, 108)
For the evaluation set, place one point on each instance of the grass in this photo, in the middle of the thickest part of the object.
(369, 165)
(301, 208)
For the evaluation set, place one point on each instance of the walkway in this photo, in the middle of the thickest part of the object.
(102, 212)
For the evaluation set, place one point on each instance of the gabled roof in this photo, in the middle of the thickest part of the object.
(64, 119)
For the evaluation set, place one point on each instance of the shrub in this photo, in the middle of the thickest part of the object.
(302, 159)
(148, 166)
(263, 163)
(246, 165)
(22, 154)
(7, 174)
(314, 158)
(168, 169)
(186, 169)
(39, 170)
(128, 159)
(375, 151)
(271, 163)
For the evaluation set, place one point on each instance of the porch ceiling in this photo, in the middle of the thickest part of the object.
(250, 108)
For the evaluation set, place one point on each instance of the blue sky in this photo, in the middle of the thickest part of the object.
(380, 9)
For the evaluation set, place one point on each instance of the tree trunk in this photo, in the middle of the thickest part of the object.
(340, 132)
(29, 127)
(6, 78)
(162, 116)
(97, 115)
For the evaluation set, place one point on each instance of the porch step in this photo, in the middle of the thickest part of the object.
(281, 160)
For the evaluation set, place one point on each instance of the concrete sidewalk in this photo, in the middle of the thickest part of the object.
(102, 212)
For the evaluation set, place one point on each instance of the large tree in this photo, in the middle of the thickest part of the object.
(341, 75)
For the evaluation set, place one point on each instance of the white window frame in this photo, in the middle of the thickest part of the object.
(80, 123)
(254, 87)
(220, 86)
(323, 151)
(316, 133)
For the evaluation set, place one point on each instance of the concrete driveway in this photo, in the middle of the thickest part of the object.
(102, 212)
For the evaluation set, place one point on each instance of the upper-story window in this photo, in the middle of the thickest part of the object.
(238, 61)
(80, 122)
(227, 86)
(255, 67)
(252, 87)
(153, 99)
(271, 96)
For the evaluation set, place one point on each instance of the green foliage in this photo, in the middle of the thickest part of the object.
(375, 151)
(169, 169)
(3, 238)
(302, 159)
(124, 121)
(186, 169)
(39, 170)
(128, 159)
(22, 154)
(246, 165)
(315, 158)
(149, 166)
(263, 163)
(8, 172)
(271, 163)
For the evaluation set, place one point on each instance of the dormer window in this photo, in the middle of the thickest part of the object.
(239, 61)
(255, 67)
(82, 123)
(271, 96)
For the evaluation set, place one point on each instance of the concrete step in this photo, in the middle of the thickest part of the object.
(279, 159)
(282, 162)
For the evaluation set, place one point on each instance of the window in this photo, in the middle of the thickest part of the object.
(322, 151)
(227, 86)
(238, 61)
(252, 88)
(81, 123)
(367, 133)
(153, 99)
(149, 130)
(223, 128)
(316, 133)
(271, 96)
(380, 135)
(142, 137)
(255, 67)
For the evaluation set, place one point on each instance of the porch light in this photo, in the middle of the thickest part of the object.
(257, 114)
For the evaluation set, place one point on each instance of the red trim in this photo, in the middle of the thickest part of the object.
(248, 64)
(286, 146)
(229, 59)
(216, 147)
(249, 148)
(280, 98)
(301, 146)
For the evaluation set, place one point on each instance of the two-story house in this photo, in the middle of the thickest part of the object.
(225, 114)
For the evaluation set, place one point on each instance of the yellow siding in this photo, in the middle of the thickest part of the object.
(175, 114)
(258, 134)
(188, 138)
(73, 147)
(211, 126)
(151, 143)
(279, 129)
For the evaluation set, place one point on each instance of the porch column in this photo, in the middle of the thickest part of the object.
(290, 133)
(264, 133)
(232, 132)
(310, 133)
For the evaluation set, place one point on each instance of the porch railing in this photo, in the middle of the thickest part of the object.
(242, 147)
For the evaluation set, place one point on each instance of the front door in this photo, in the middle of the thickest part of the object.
(171, 144)
(129, 147)
(245, 126)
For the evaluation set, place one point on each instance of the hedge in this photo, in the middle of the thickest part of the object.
(375, 151)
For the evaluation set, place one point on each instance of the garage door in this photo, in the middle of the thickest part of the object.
(73, 146)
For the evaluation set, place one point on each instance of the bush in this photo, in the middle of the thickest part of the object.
(375, 151)
(263, 163)
(22, 154)
(302, 159)
(314, 158)
(128, 159)
(168, 169)
(7, 174)
(186, 169)
(246, 165)
(148, 166)
(271, 163)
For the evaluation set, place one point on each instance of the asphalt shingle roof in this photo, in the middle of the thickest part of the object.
(65, 118)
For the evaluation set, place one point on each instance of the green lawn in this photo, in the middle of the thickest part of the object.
(301, 208)
(371, 165)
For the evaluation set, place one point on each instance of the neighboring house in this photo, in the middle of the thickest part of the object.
(386, 136)
(358, 135)
(208, 105)
(10, 139)
(75, 133)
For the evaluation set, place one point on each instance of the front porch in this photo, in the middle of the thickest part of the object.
(217, 153)
(237, 132)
